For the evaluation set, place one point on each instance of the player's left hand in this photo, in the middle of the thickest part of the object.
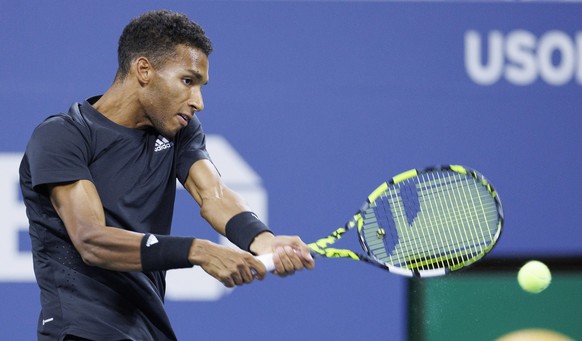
(290, 253)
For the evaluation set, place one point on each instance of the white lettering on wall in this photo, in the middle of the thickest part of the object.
(521, 58)
(15, 265)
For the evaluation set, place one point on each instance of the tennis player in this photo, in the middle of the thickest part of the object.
(99, 183)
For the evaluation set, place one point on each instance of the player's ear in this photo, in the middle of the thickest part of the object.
(143, 70)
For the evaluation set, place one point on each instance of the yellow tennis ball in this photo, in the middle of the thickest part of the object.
(534, 277)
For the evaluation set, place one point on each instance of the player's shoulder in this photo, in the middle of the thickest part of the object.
(63, 123)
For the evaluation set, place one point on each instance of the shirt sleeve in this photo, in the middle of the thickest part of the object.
(191, 144)
(58, 152)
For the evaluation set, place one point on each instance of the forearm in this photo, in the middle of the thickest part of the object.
(219, 207)
(235, 221)
(224, 209)
(218, 204)
(109, 248)
(121, 250)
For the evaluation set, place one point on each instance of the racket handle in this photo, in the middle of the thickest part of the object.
(267, 260)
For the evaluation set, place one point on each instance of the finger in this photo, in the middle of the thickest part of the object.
(236, 278)
(227, 282)
(258, 269)
(279, 260)
(243, 275)
(287, 255)
(304, 253)
(307, 258)
(246, 272)
(295, 258)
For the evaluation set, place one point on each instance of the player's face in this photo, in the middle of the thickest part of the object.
(175, 91)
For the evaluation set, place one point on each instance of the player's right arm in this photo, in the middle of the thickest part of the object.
(79, 207)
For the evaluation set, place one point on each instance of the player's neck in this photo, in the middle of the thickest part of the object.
(120, 104)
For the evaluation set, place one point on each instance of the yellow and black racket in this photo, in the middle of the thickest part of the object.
(422, 223)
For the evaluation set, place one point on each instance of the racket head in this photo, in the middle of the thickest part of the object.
(430, 222)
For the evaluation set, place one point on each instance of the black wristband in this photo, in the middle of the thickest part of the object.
(160, 252)
(242, 229)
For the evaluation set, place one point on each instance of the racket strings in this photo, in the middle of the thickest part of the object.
(455, 221)
(452, 245)
(455, 241)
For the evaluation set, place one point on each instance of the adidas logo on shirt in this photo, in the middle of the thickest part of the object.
(162, 143)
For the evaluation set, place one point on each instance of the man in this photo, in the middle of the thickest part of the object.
(99, 186)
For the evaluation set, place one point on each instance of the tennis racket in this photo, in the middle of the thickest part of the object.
(421, 223)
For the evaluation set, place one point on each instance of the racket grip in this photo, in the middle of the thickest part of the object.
(267, 260)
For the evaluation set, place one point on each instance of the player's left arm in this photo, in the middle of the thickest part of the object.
(219, 204)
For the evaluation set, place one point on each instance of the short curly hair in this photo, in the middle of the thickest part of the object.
(155, 35)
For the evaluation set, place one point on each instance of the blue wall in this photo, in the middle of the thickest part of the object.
(325, 100)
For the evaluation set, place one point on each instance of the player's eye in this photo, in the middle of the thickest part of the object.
(187, 81)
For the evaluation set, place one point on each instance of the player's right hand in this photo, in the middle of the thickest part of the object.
(229, 266)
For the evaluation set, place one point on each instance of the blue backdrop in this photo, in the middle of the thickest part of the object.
(322, 101)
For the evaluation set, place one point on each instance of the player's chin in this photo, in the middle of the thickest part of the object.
(170, 133)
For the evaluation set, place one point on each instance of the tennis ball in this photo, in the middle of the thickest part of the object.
(534, 277)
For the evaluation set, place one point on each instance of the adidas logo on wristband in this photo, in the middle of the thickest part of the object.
(151, 240)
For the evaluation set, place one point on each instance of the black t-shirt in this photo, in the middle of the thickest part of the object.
(135, 174)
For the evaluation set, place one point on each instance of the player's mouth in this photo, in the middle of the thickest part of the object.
(184, 119)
